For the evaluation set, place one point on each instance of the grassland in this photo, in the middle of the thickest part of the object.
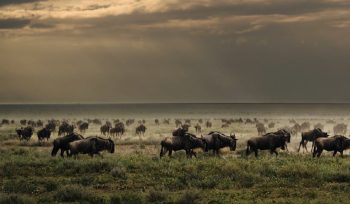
(135, 174)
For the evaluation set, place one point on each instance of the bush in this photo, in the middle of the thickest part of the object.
(189, 196)
(155, 196)
(119, 172)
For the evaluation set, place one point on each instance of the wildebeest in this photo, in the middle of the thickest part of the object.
(208, 124)
(105, 129)
(340, 129)
(25, 133)
(345, 145)
(187, 142)
(156, 121)
(334, 144)
(270, 141)
(39, 123)
(23, 122)
(198, 128)
(271, 125)
(62, 143)
(305, 126)
(5, 122)
(311, 136)
(260, 128)
(65, 129)
(141, 129)
(83, 127)
(226, 125)
(128, 122)
(186, 126)
(91, 146)
(118, 130)
(178, 123)
(44, 133)
(166, 121)
(217, 140)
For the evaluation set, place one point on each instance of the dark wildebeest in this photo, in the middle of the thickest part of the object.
(5, 122)
(25, 133)
(44, 133)
(23, 122)
(105, 129)
(198, 128)
(340, 129)
(226, 125)
(217, 140)
(166, 121)
(83, 127)
(270, 141)
(65, 129)
(178, 123)
(260, 128)
(179, 132)
(128, 122)
(39, 123)
(186, 142)
(208, 124)
(141, 129)
(345, 145)
(91, 146)
(311, 136)
(51, 125)
(156, 121)
(334, 144)
(62, 143)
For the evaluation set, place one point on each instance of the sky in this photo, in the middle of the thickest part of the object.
(169, 51)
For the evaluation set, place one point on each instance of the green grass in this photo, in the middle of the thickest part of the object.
(30, 176)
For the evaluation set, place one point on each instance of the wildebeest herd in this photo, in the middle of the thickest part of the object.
(72, 143)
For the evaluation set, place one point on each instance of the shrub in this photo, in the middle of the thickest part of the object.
(189, 196)
(155, 196)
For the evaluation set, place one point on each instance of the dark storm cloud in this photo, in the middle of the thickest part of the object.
(254, 51)
(13, 23)
(13, 2)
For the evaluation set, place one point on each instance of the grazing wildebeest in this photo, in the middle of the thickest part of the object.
(83, 127)
(248, 121)
(25, 133)
(217, 140)
(91, 146)
(200, 121)
(187, 142)
(141, 129)
(198, 128)
(261, 128)
(208, 124)
(269, 141)
(334, 144)
(62, 143)
(340, 129)
(96, 121)
(65, 129)
(44, 133)
(105, 129)
(311, 136)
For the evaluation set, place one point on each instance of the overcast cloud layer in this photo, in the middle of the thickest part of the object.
(121, 51)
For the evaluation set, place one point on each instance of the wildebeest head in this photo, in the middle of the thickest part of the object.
(233, 142)
(179, 132)
(339, 141)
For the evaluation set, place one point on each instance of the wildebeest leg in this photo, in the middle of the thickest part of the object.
(256, 153)
(334, 152)
(319, 152)
(62, 153)
(305, 146)
(170, 152)
(161, 152)
(301, 142)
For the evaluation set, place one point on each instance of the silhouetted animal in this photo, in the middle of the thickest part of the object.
(217, 140)
(62, 143)
(208, 124)
(268, 142)
(261, 128)
(198, 128)
(91, 146)
(334, 144)
(187, 142)
(65, 129)
(25, 133)
(311, 136)
(141, 129)
(105, 129)
(44, 133)
(83, 127)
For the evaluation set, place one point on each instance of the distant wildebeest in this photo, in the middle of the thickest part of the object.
(319, 126)
(62, 143)
(91, 146)
(217, 140)
(140, 130)
(200, 121)
(96, 121)
(208, 124)
(23, 122)
(226, 125)
(178, 123)
(260, 128)
(156, 121)
(108, 123)
(51, 126)
(271, 125)
(198, 128)
(5, 122)
(83, 127)
(128, 122)
(330, 121)
(340, 129)
(296, 128)
(270, 142)
(186, 142)
(44, 133)
(166, 121)
(104, 129)
(248, 121)
(305, 126)
(25, 133)
(334, 144)
(311, 136)
(65, 129)
(39, 123)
